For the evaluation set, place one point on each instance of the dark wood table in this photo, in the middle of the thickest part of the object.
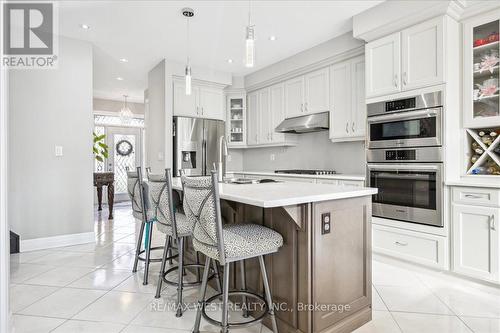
(105, 179)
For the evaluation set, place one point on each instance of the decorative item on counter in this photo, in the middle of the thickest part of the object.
(489, 61)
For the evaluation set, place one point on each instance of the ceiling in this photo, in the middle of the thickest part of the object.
(144, 32)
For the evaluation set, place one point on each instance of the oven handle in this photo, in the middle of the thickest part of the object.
(396, 167)
(404, 116)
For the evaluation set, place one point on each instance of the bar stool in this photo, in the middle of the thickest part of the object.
(176, 226)
(226, 244)
(137, 191)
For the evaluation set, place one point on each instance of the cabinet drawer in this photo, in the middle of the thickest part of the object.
(421, 248)
(327, 181)
(476, 196)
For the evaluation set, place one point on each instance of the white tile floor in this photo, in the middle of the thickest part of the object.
(90, 288)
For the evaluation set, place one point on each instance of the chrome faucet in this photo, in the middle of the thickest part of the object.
(222, 157)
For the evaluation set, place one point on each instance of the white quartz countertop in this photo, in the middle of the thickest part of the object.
(269, 195)
(343, 176)
(476, 182)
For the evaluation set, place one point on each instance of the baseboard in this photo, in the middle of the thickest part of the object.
(56, 241)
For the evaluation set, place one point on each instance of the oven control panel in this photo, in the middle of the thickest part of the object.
(401, 155)
(402, 104)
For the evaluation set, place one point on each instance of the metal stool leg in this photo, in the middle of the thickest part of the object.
(138, 248)
(218, 276)
(180, 244)
(148, 255)
(243, 288)
(203, 290)
(163, 264)
(225, 300)
(170, 251)
(268, 293)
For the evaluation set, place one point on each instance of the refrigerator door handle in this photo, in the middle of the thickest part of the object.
(204, 152)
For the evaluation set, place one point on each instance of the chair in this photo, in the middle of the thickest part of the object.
(227, 244)
(176, 226)
(137, 191)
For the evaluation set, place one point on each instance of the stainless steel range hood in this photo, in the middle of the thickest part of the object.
(305, 124)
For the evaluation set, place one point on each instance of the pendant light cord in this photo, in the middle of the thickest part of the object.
(187, 37)
(249, 11)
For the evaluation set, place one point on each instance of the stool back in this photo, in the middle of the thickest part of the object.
(202, 203)
(135, 189)
(162, 203)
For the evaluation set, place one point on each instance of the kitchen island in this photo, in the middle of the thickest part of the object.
(321, 278)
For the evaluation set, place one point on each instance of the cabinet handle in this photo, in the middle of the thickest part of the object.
(347, 127)
(197, 110)
(202, 111)
(492, 223)
(401, 243)
(301, 107)
(404, 79)
(396, 80)
(352, 127)
(472, 196)
(305, 106)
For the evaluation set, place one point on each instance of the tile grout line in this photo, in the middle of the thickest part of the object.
(390, 312)
(442, 301)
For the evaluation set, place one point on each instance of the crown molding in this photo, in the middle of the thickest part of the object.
(309, 68)
(198, 82)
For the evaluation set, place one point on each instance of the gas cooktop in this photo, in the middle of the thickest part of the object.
(307, 172)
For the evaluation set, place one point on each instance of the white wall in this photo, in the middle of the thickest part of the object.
(49, 195)
(155, 118)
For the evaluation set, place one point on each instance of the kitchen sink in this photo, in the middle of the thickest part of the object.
(242, 181)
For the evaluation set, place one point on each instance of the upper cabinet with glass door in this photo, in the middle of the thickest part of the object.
(481, 64)
(236, 120)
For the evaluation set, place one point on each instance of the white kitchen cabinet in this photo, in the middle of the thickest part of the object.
(294, 97)
(277, 111)
(476, 241)
(204, 102)
(358, 114)
(317, 95)
(383, 67)
(253, 118)
(211, 103)
(406, 60)
(265, 112)
(348, 107)
(422, 54)
(236, 126)
(185, 105)
(481, 46)
(265, 116)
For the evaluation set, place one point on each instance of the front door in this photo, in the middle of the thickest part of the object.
(125, 145)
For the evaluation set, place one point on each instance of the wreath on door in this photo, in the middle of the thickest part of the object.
(124, 148)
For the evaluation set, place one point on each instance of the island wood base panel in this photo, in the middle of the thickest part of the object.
(313, 268)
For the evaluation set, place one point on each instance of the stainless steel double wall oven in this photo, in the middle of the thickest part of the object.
(404, 140)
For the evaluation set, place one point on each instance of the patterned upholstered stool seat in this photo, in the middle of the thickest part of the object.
(184, 226)
(243, 241)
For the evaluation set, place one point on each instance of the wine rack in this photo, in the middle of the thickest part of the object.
(483, 151)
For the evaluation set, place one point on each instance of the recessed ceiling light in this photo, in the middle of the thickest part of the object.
(272, 37)
(85, 26)
(230, 61)
(123, 60)
(119, 78)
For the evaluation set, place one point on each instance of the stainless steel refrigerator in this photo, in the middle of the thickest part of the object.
(196, 146)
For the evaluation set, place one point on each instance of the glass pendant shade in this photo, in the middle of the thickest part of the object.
(250, 47)
(126, 114)
(188, 80)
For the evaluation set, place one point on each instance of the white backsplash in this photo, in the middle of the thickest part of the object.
(314, 151)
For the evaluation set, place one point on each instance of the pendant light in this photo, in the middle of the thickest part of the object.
(126, 114)
(188, 13)
(250, 42)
